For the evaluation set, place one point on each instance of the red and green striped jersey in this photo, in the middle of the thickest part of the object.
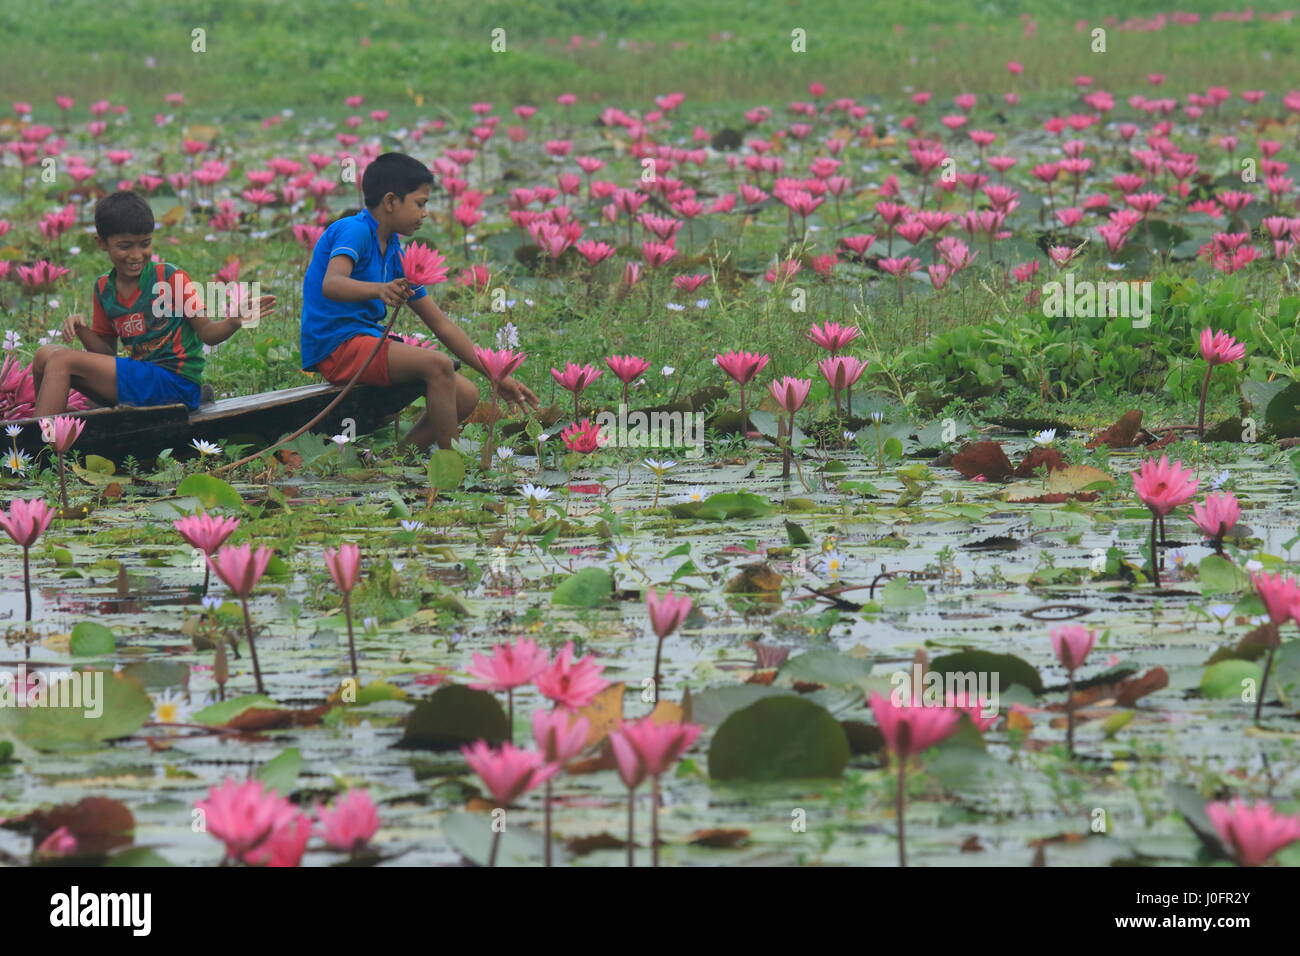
(160, 333)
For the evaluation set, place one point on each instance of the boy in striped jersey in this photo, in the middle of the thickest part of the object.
(152, 307)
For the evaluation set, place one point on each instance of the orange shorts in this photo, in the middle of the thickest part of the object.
(341, 364)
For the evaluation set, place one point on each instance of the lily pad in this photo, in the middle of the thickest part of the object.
(779, 738)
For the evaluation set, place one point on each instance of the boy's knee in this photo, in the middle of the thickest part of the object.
(45, 353)
(439, 368)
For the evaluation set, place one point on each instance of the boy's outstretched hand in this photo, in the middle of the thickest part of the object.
(517, 394)
(263, 307)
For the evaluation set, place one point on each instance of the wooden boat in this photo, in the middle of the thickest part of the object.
(117, 431)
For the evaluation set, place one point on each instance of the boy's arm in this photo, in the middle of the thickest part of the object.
(215, 332)
(454, 337)
(339, 285)
(90, 340)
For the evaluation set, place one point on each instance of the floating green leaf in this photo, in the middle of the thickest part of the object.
(453, 717)
(1229, 679)
(211, 492)
(779, 738)
(1009, 668)
(90, 639)
(446, 469)
(281, 772)
(586, 588)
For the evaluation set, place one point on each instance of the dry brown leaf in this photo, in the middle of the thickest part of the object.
(605, 713)
(1123, 434)
(719, 839)
(982, 458)
(1018, 721)
(1037, 458)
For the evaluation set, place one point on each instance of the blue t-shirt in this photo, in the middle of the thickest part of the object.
(328, 323)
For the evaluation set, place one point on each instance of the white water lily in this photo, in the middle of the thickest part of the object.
(1220, 612)
(409, 525)
(659, 467)
(668, 370)
(1219, 480)
(1046, 437)
(170, 707)
(535, 494)
(831, 564)
(12, 340)
(694, 494)
(505, 453)
(622, 553)
(211, 603)
(850, 436)
(877, 417)
(340, 440)
(17, 461)
(13, 431)
(205, 447)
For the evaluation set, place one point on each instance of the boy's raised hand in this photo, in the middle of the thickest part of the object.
(395, 293)
(70, 326)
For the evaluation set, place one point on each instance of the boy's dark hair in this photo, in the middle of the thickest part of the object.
(394, 173)
(123, 212)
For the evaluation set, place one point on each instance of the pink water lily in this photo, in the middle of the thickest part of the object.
(285, 846)
(1217, 348)
(560, 736)
(61, 431)
(910, 730)
(628, 368)
(648, 748)
(575, 378)
(510, 666)
(244, 816)
(241, 568)
(569, 683)
(423, 265)
(344, 564)
(666, 615)
(1253, 833)
(24, 522)
(498, 364)
(742, 367)
(1162, 486)
(350, 823)
(206, 532)
(1281, 597)
(1216, 516)
(1071, 643)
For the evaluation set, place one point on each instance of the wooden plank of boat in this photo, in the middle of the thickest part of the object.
(120, 430)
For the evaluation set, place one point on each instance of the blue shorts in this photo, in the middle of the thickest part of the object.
(144, 383)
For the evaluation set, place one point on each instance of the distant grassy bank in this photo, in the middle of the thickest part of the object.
(306, 53)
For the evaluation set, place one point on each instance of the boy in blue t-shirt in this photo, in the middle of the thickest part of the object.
(355, 273)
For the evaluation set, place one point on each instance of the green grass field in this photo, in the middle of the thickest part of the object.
(298, 54)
